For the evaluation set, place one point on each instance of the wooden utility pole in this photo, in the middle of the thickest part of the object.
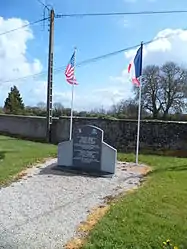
(50, 77)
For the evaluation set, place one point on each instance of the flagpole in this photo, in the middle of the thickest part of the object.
(138, 129)
(72, 102)
(139, 110)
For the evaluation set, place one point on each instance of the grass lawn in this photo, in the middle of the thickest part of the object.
(155, 212)
(16, 155)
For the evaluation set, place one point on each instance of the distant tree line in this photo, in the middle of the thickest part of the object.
(164, 95)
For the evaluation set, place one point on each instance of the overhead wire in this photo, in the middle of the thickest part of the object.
(91, 60)
(44, 5)
(18, 28)
(94, 14)
(24, 26)
(121, 13)
(79, 64)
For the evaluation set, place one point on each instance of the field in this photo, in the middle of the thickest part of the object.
(16, 155)
(143, 219)
(155, 212)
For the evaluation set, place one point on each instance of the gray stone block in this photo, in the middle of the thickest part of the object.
(87, 152)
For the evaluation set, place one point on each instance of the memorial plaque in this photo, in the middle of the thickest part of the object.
(87, 143)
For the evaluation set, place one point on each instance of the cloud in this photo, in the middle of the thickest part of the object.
(13, 53)
(126, 23)
(96, 99)
(103, 97)
(38, 93)
(13, 48)
(15, 64)
(167, 45)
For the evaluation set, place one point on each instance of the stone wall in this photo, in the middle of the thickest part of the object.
(119, 133)
(122, 133)
(31, 127)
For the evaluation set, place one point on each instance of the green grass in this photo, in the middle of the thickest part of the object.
(16, 155)
(157, 211)
(140, 220)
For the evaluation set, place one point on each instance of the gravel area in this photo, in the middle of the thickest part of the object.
(44, 208)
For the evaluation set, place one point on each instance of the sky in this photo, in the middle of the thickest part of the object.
(101, 83)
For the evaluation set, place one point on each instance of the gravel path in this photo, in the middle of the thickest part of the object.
(44, 208)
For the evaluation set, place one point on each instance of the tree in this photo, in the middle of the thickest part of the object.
(126, 109)
(1, 110)
(129, 108)
(164, 89)
(151, 90)
(174, 88)
(42, 105)
(58, 109)
(14, 103)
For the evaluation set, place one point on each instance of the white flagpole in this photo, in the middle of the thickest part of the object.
(71, 119)
(139, 111)
(72, 100)
(139, 117)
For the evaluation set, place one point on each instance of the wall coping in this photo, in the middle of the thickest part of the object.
(94, 118)
(24, 116)
(21, 116)
(125, 120)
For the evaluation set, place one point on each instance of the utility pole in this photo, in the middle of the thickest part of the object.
(50, 77)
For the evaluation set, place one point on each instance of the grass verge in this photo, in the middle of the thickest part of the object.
(148, 216)
(16, 155)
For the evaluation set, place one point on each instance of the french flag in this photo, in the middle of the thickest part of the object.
(135, 67)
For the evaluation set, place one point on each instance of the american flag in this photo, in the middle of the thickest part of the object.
(70, 71)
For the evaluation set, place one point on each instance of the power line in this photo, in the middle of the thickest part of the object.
(24, 26)
(121, 13)
(25, 77)
(59, 69)
(95, 59)
(91, 60)
(44, 5)
(124, 50)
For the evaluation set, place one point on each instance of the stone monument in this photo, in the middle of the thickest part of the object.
(87, 152)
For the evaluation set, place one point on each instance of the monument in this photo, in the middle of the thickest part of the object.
(87, 152)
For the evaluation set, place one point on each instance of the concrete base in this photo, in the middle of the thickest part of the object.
(80, 171)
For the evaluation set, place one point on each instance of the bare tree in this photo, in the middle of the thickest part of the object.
(164, 89)
(58, 106)
(42, 105)
(129, 108)
(126, 109)
(58, 109)
(151, 90)
(173, 82)
(115, 109)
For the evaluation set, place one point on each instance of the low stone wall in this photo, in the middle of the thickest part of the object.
(122, 133)
(119, 133)
(29, 127)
